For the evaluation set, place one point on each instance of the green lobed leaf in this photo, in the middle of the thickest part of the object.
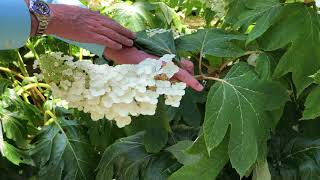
(312, 108)
(265, 65)
(160, 167)
(101, 133)
(206, 168)
(17, 116)
(189, 109)
(4, 83)
(214, 42)
(157, 43)
(301, 59)
(171, 17)
(240, 101)
(7, 57)
(16, 156)
(135, 17)
(265, 14)
(156, 129)
(62, 151)
(178, 151)
(129, 147)
(234, 8)
(298, 159)
(261, 12)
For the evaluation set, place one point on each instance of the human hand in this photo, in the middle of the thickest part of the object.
(85, 26)
(134, 56)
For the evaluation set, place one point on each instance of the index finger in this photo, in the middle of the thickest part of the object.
(184, 76)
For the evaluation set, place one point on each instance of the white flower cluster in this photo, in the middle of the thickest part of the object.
(96, 4)
(114, 92)
(317, 3)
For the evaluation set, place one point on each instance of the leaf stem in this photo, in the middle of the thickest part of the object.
(204, 77)
(7, 70)
(33, 50)
(81, 54)
(32, 86)
(22, 65)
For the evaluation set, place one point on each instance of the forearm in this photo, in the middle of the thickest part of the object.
(34, 22)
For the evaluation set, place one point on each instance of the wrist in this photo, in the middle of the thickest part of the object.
(34, 21)
(54, 20)
(34, 25)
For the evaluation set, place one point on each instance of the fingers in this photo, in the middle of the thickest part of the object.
(184, 76)
(111, 34)
(100, 39)
(187, 65)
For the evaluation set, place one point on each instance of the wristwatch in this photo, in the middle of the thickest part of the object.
(41, 11)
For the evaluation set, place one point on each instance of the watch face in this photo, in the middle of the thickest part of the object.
(41, 8)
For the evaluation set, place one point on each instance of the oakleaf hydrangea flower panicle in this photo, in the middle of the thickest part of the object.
(96, 4)
(317, 3)
(113, 92)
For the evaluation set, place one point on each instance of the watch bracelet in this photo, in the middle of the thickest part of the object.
(42, 25)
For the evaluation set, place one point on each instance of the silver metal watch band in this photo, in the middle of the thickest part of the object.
(42, 25)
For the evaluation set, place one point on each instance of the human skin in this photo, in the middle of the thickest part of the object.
(132, 55)
(83, 25)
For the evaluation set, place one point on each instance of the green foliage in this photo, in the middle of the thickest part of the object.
(156, 43)
(214, 42)
(257, 117)
(298, 160)
(206, 167)
(241, 100)
(61, 152)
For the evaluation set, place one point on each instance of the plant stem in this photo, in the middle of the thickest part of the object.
(21, 65)
(52, 119)
(32, 86)
(81, 54)
(33, 50)
(203, 77)
(12, 72)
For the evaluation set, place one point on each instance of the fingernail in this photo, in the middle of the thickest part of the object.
(199, 87)
(130, 43)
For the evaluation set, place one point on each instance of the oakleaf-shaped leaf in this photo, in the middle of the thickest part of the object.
(298, 159)
(261, 12)
(214, 42)
(160, 167)
(178, 151)
(157, 41)
(312, 108)
(156, 128)
(240, 101)
(7, 57)
(4, 83)
(135, 17)
(15, 155)
(302, 59)
(62, 152)
(16, 116)
(205, 168)
(264, 13)
(128, 154)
